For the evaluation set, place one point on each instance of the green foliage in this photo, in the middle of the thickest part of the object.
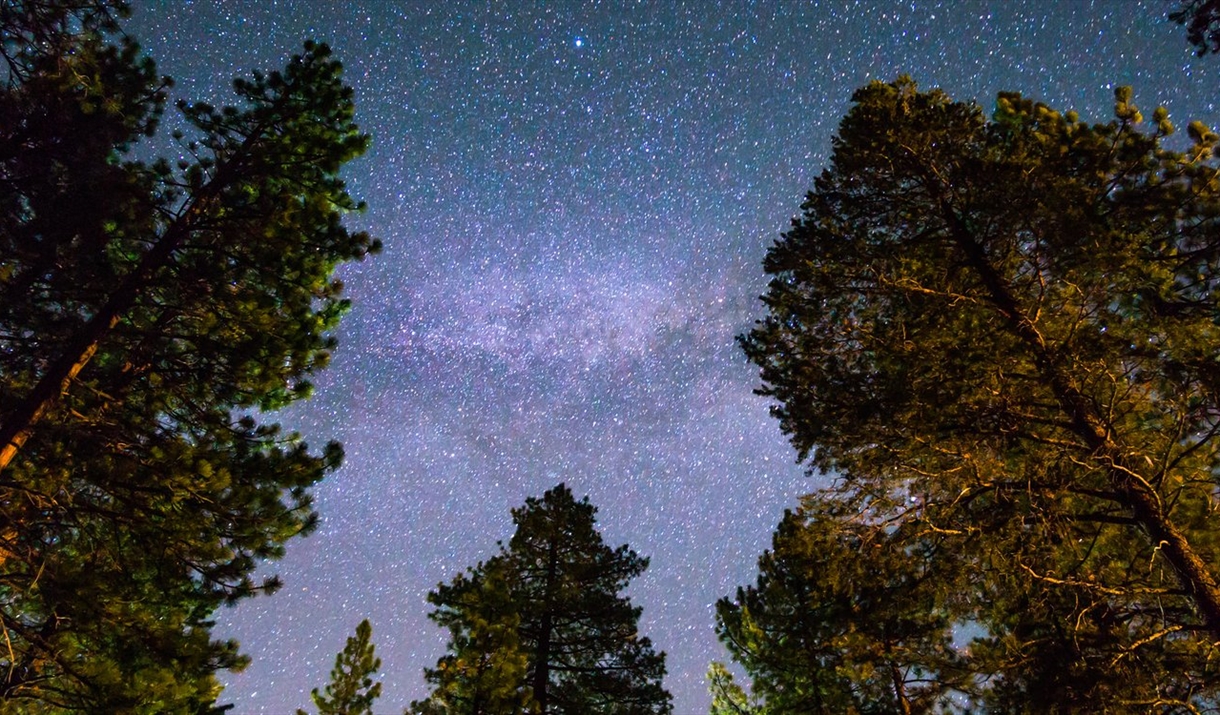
(848, 617)
(540, 627)
(1001, 335)
(487, 668)
(147, 314)
(351, 690)
(728, 698)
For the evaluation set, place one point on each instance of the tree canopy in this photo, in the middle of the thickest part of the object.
(148, 313)
(1000, 336)
(542, 628)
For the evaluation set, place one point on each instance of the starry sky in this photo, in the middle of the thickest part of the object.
(575, 197)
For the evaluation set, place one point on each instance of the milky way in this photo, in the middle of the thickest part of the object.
(575, 198)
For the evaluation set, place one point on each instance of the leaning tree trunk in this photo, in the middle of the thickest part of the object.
(1136, 493)
(19, 423)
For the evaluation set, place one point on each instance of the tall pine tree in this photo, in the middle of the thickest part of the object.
(1001, 335)
(551, 597)
(148, 313)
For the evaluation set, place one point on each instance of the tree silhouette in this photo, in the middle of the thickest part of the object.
(549, 601)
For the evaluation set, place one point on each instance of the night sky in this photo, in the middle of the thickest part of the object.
(575, 198)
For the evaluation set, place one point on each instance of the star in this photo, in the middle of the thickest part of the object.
(569, 253)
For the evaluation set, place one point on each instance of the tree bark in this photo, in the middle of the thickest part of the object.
(1141, 498)
(19, 424)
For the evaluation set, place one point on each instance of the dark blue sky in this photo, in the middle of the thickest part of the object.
(575, 198)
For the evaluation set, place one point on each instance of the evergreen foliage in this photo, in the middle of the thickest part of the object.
(1001, 336)
(541, 627)
(1201, 18)
(847, 618)
(728, 698)
(351, 690)
(148, 313)
(486, 670)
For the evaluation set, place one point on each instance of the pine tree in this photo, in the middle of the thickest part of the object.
(148, 313)
(850, 615)
(351, 690)
(557, 585)
(1002, 333)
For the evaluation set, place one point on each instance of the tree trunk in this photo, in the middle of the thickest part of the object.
(542, 657)
(19, 424)
(1141, 498)
(896, 678)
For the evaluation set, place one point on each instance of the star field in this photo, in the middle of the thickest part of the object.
(575, 198)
